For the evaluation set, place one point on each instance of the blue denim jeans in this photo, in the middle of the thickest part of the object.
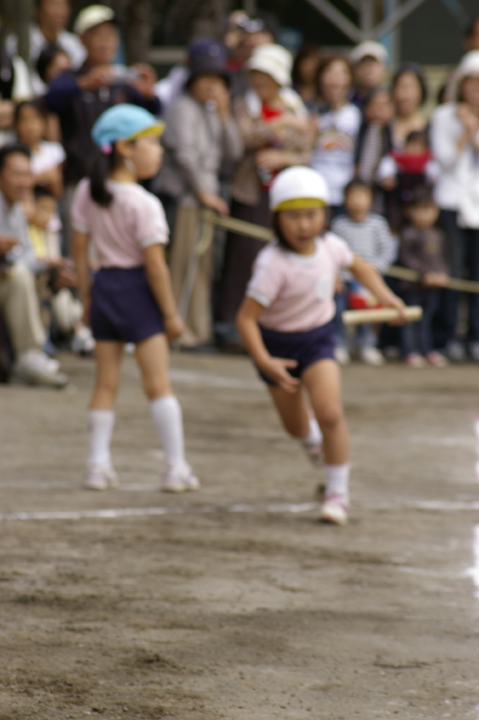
(418, 337)
(364, 334)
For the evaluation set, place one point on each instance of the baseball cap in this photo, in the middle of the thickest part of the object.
(92, 16)
(124, 122)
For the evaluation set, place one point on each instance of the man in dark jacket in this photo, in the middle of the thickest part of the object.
(79, 98)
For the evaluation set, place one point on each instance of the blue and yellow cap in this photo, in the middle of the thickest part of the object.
(124, 122)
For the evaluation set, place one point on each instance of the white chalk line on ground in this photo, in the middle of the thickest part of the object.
(275, 508)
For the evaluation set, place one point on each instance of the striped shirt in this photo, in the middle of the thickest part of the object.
(370, 240)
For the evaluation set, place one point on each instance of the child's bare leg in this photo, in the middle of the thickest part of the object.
(323, 383)
(299, 421)
(101, 418)
(108, 356)
(153, 359)
(293, 410)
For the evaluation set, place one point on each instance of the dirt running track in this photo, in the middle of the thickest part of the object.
(235, 602)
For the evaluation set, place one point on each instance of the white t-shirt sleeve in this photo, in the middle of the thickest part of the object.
(342, 254)
(266, 281)
(81, 207)
(150, 221)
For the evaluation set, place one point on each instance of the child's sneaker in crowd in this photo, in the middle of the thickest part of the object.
(335, 510)
(437, 360)
(414, 360)
(371, 356)
(36, 368)
(342, 355)
(83, 342)
(100, 477)
(474, 351)
(455, 351)
(179, 480)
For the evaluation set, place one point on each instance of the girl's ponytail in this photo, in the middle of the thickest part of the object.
(102, 167)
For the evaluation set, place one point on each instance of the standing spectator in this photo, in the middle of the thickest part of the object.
(274, 125)
(80, 97)
(47, 157)
(422, 248)
(338, 128)
(15, 85)
(305, 70)
(51, 20)
(409, 92)
(369, 60)
(374, 140)
(200, 133)
(369, 237)
(52, 62)
(455, 146)
(18, 298)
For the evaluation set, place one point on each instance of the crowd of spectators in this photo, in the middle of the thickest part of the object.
(404, 186)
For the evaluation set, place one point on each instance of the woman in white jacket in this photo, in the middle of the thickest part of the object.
(455, 145)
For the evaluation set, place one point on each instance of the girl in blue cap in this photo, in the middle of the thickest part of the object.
(130, 299)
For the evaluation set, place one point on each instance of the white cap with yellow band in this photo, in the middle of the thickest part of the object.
(298, 188)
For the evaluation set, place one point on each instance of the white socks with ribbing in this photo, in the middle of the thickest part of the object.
(168, 419)
(100, 430)
(314, 436)
(337, 480)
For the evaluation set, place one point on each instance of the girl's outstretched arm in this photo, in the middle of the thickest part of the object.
(371, 279)
(274, 368)
(160, 284)
(80, 245)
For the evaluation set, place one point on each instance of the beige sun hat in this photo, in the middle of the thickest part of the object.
(274, 60)
(92, 16)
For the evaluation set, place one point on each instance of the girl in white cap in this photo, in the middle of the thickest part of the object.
(130, 300)
(286, 322)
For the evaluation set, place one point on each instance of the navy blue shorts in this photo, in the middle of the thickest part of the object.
(123, 307)
(304, 347)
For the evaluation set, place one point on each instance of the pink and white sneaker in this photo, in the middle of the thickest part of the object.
(179, 480)
(100, 477)
(334, 510)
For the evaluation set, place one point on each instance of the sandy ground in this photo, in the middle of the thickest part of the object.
(235, 602)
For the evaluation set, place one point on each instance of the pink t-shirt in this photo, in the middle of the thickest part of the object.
(297, 291)
(134, 220)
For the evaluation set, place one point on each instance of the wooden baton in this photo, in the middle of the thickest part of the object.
(380, 315)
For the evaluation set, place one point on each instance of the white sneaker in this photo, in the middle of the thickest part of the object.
(179, 480)
(36, 368)
(371, 356)
(455, 351)
(83, 342)
(342, 355)
(100, 477)
(334, 510)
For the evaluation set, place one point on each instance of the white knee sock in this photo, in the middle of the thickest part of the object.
(337, 480)
(100, 430)
(167, 416)
(314, 436)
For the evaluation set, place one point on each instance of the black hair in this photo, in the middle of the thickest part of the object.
(471, 25)
(102, 166)
(416, 70)
(418, 136)
(270, 22)
(304, 52)
(356, 183)
(40, 191)
(35, 104)
(13, 149)
(371, 94)
(46, 58)
(420, 195)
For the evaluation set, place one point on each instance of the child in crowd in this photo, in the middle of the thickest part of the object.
(46, 157)
(52, 61)
(369, 237)
(287, 323)
(131, 300)
(403, 170)
(422, 248)
(56, 284)
(374, 140)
